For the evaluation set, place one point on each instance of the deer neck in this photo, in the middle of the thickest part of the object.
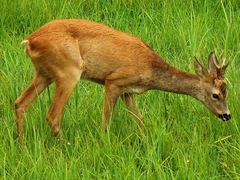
(167, 78)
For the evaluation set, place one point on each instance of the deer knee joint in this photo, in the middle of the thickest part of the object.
(16, 105)
(19, 109)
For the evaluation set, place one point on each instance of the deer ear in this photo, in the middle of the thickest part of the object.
(200, 70)
(213, 66)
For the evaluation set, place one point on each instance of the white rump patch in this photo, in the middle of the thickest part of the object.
(25, 43)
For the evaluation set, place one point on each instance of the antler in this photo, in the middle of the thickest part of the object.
(221, 68)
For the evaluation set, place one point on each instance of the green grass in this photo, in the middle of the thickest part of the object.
(183, 139)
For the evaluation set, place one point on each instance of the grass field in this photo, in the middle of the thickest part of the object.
(183, 139)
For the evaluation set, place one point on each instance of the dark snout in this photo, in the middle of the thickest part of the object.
(225, 117)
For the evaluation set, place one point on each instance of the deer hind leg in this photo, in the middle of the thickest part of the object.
(39, 83)
(64, 88)
(131, 105)
(112, 92)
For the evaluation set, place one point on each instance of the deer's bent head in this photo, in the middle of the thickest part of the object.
(213, 91)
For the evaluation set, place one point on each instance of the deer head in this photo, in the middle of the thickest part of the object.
(213, 91)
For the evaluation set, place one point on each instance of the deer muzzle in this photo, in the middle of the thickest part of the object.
(225, 117)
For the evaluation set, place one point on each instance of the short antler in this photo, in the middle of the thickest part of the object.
(214, 67)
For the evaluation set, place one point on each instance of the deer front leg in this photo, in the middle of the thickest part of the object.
(131, 105)
(64, 88)
(112, 92)
(38, 84)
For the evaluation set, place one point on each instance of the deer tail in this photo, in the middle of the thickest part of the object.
(25, 42)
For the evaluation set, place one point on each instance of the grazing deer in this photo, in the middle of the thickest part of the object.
(65, 51)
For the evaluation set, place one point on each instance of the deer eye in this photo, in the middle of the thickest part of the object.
(215, 96)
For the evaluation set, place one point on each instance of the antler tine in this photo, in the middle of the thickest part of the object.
(223, 59)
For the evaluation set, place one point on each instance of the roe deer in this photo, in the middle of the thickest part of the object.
(65, 51)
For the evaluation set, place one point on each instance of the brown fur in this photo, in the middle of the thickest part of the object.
(63, 51)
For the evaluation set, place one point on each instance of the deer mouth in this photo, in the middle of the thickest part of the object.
(225, 117)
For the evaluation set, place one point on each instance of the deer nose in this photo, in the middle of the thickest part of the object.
(225, 117)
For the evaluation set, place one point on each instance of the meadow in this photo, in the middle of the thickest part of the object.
(183, 140)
